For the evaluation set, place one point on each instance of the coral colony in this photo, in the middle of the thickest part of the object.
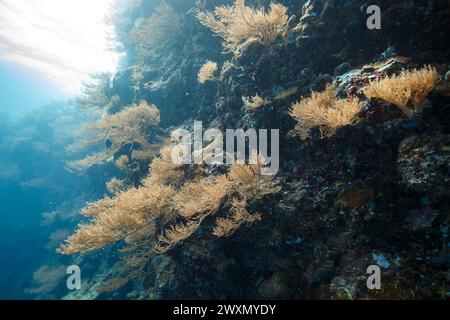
(190, 150)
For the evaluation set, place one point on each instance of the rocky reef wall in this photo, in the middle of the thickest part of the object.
(376, 192)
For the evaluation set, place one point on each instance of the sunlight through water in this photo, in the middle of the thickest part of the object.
(64, 40)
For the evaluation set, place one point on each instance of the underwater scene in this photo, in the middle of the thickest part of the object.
(224, 150)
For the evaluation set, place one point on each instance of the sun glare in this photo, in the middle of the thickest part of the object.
(65, 40)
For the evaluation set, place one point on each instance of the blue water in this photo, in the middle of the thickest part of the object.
(34, 119)
(23, 90)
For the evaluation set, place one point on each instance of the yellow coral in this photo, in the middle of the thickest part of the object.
(122, 162)
(159, 30)
(47, 278)
(163, 211)
(325, 110)
(116, 218)
(115, 185)
(255, 102)
(206, 72)
(225, 227)
(174, 235)
(128, 211)
(286, 94)
(130, 126)
(248, 181)
(239, 25)
(203, 197)
(95, 92)
(131, 212)
(410, 86)
(163, 171)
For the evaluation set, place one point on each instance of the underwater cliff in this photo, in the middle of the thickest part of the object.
(359, 121)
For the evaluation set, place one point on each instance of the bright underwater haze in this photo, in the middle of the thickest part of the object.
(24, 95)
(48, 49)
(23, 90)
